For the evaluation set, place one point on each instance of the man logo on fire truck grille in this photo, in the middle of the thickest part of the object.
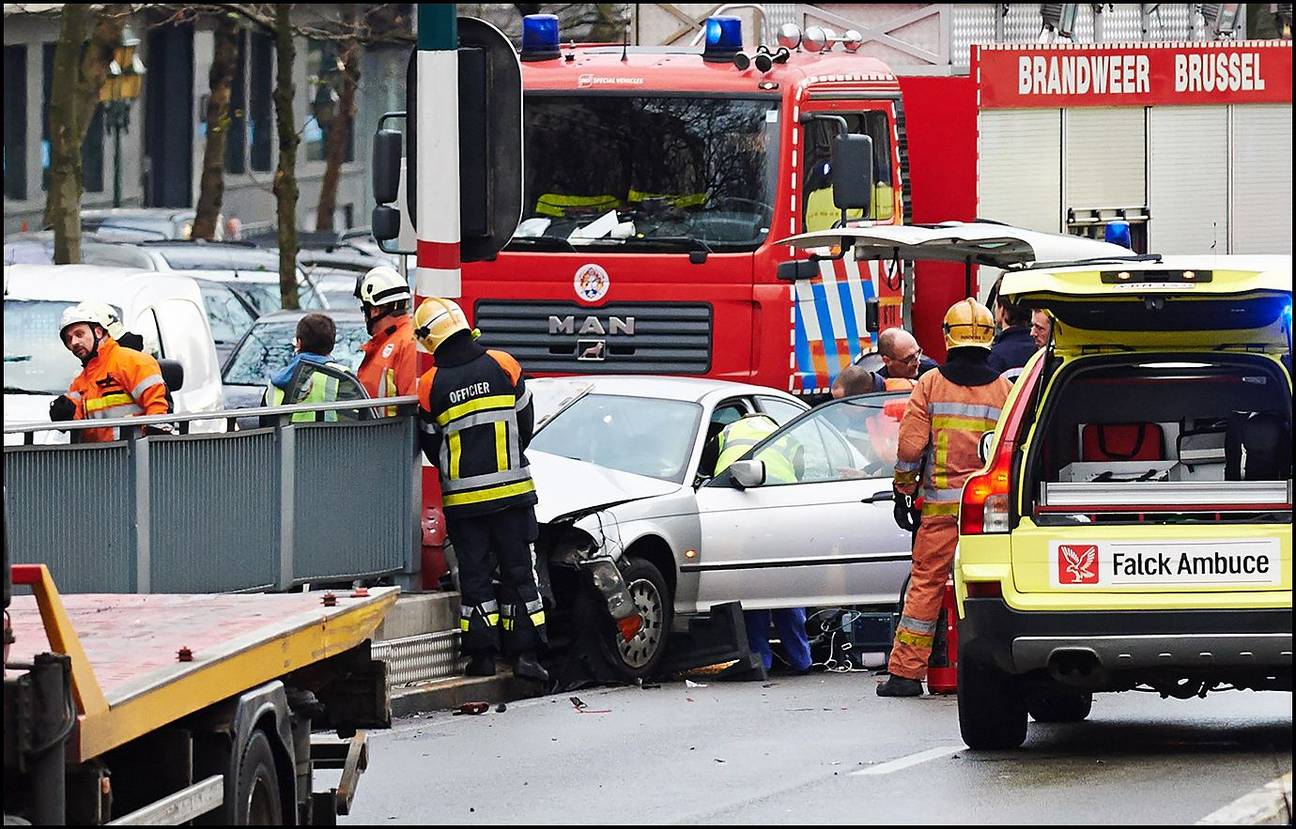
(591, 282)
(1077, 564)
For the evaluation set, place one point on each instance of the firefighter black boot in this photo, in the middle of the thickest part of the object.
(481, 664)
(900, 686)
(528, 667)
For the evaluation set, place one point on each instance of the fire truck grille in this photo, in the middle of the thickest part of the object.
(630, 337)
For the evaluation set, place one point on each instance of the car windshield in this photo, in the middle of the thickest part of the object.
(642, 172)
(266, 298)
(35, 361)
(268, 347)
(643, 435)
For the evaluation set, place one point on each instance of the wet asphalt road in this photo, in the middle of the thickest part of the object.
(821, 748)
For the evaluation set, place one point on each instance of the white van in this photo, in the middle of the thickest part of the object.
(166, 310)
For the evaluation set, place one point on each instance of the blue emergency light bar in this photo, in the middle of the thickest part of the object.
(723, 39)
(540, 37)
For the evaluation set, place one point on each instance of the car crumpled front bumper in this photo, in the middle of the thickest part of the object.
(592, 544)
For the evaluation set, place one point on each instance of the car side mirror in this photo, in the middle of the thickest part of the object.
(984, 446)
(747, 473)
(172, 374)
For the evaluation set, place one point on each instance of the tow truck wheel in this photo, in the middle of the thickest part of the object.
(992, 714)
(257, 797)
(1061, 705)
(639, 657)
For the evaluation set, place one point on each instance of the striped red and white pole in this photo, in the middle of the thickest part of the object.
(437, 144)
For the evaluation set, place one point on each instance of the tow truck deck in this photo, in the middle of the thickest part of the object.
(146, 667)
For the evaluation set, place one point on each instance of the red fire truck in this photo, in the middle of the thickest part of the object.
(657, 184)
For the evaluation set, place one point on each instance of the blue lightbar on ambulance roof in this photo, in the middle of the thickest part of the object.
(723, 39)
(539, 37)
(1118, 233)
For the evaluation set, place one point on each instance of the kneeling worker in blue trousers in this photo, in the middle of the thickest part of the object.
(735, 441)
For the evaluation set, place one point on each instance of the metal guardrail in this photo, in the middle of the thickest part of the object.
(264, 508)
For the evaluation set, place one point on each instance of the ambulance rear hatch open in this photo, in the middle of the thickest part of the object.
(1166, 434)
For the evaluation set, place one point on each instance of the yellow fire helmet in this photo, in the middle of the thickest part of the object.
(968, 323)
(435, 320)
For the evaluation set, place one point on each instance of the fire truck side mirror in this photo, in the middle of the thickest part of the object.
(386, 166)
(852, 172)
(797, 269)
(385, 223)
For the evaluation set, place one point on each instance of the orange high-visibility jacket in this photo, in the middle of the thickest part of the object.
(118, 382)
(942, 424)
(390, 364)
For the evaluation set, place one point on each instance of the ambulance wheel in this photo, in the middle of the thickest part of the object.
(257, 801)
(1061, 705)
(639, 658)
(992, 713)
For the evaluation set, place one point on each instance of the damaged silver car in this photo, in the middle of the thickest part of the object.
(629, 506)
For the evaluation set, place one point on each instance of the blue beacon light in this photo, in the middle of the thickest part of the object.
(540, 37)
(1118, 233)
(723, 39)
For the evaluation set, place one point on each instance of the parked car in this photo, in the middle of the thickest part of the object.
(38, 248)
(624, 472)
(158, 222)
(268, 347)
(167, 311)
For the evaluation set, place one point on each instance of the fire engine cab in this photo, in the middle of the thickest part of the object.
(657, 181)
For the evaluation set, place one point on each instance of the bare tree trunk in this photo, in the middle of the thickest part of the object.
(211, 190)
(285, 178)
(339, 131)
(88, 78)
(63, 205)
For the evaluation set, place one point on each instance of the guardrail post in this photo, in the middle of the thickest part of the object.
(414, 564)
(139, 448)
(287, 439)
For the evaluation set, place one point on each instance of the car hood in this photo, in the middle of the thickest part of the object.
(242, 397)
(566, 486)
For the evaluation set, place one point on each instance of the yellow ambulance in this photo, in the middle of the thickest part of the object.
(1132, 526)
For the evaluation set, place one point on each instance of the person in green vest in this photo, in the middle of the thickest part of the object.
(312, 376)
(735, 441)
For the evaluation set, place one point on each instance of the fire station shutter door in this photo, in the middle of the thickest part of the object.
(1262, 178)
(1188, 179)
(1106, 152)
(1018, 168)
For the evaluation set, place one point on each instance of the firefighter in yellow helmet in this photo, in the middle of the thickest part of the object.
(476, 420)
(947, 412)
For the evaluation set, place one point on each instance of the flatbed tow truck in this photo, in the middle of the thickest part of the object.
(149, 709)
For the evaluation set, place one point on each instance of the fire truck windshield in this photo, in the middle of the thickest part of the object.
(628, 173)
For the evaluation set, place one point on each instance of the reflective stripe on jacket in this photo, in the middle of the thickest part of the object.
(389, 367)
(476, 420)
(942, 426)
(118, 382)
(737, 439)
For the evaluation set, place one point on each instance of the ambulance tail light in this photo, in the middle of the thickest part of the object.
(984, 590)
(985, 507)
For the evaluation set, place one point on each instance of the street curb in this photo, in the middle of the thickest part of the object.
(1270, 805)
(454, 692)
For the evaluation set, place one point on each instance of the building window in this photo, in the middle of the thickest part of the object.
(260, 117)
(15, 123)
(236, 136)
(92, 179)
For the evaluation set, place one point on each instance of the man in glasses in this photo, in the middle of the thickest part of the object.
(902, 358)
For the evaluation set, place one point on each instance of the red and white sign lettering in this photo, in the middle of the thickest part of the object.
(1134, 75)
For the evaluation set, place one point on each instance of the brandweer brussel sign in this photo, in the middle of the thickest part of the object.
(1075, 75)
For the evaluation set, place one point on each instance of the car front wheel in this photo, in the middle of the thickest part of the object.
(639, 657)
